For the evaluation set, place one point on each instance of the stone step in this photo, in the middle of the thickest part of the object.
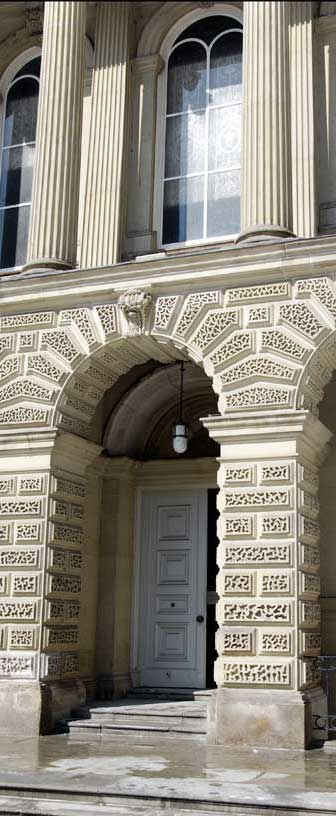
(140, 716)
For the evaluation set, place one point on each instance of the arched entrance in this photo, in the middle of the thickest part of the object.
(157, 572)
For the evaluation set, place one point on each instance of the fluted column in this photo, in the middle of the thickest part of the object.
(302, 119)
(53, 227)
(104, 205)
(266, 172)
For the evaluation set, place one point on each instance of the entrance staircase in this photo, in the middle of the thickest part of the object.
(157, 711)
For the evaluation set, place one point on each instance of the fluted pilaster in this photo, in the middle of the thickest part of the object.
(302, 119)
(104, 206)
(53, 228)
(266, 187)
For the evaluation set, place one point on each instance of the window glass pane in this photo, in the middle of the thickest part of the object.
(208, 28)
(14, 225)
(183, 210)
(223, 204)
(33, 67)
(185, 144)
(186, 78)
(17, 175)
(226, 70)
(21, 112)
(224, 137)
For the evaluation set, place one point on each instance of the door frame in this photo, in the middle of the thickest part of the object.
(161, 475)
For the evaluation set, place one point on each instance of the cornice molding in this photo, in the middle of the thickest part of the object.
(182, 272)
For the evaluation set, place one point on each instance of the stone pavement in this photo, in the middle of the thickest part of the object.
(145, 775)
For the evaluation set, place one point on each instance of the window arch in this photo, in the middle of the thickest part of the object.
(201, 176)
(17, 159)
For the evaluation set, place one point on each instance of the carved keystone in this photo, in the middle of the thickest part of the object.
(135, 306)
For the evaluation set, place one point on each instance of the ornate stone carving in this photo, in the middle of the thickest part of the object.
(302, 318)
(264, 291)
(237, 584)
(257, 554)
(273, 642)
(236, 641)
(256, 498)
(266, 674)
(277, 582)
(258, 396)
(135, 305)
(18, 610)
(107, 317)
(256, 612)
(275, 473)
(164, 309)
(275, 525)
(216, 323)
(241, 526)
(193, 306)
(60, 584)
(257, 366)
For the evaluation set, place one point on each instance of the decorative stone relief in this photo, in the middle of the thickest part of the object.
(62, 637)
(65, 584)
(311, 531)
(20, 665)
(277, 582)
(309, 558)
(9, 367)
(257, 366)
(282, 343)
(193, 305)
(238, 526)
(25, 388)
(310, 673)
(31, 484)
(258, 396)
(23, 584)
(19, 321)
(257, 554)
(239, 343)
(164, 309)
(310, 614)
(274, 642)
(67, 535)
(275, 473)
(18, 610)
(70, 663)
(259, 315)
(310, 584)
(28, 532)
(60, 343)
(260, 498)
(262, 292)
(6, 343)
(310, 643)
(256, 612)
(20, 507)
(80, 318)
(322, 289)
(6, 486)
(302, 318)
(39, 364)
(238, 474)
(22, 638)
(266, 674)
(310, 477)
(236, 584)
(275, 525)
(238, 641)
(215, 324)
(24, 416)
(19, 558)
(5, 533)
(135, 305)
(3, 584)
(107, 317)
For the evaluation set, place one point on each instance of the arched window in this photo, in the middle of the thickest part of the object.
(201, 197)
(17, 163)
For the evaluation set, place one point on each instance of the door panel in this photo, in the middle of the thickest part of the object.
(173, 588)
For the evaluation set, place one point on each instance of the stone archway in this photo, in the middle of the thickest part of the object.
(262, 346)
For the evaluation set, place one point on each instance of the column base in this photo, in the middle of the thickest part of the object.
(264, 232)
(46, 265)
(252, 718)
(20, 708)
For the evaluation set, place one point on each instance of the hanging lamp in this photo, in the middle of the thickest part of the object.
(180, 430)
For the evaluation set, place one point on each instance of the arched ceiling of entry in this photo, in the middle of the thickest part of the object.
(141, 420)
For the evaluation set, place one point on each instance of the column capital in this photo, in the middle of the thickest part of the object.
(303, 432)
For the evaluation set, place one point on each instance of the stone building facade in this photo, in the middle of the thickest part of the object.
(120, 267)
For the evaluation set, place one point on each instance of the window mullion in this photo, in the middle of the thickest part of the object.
(206, 158)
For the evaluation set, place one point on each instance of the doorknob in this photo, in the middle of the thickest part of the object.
(200, 619)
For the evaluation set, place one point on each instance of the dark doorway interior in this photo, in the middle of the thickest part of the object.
(211, 624)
